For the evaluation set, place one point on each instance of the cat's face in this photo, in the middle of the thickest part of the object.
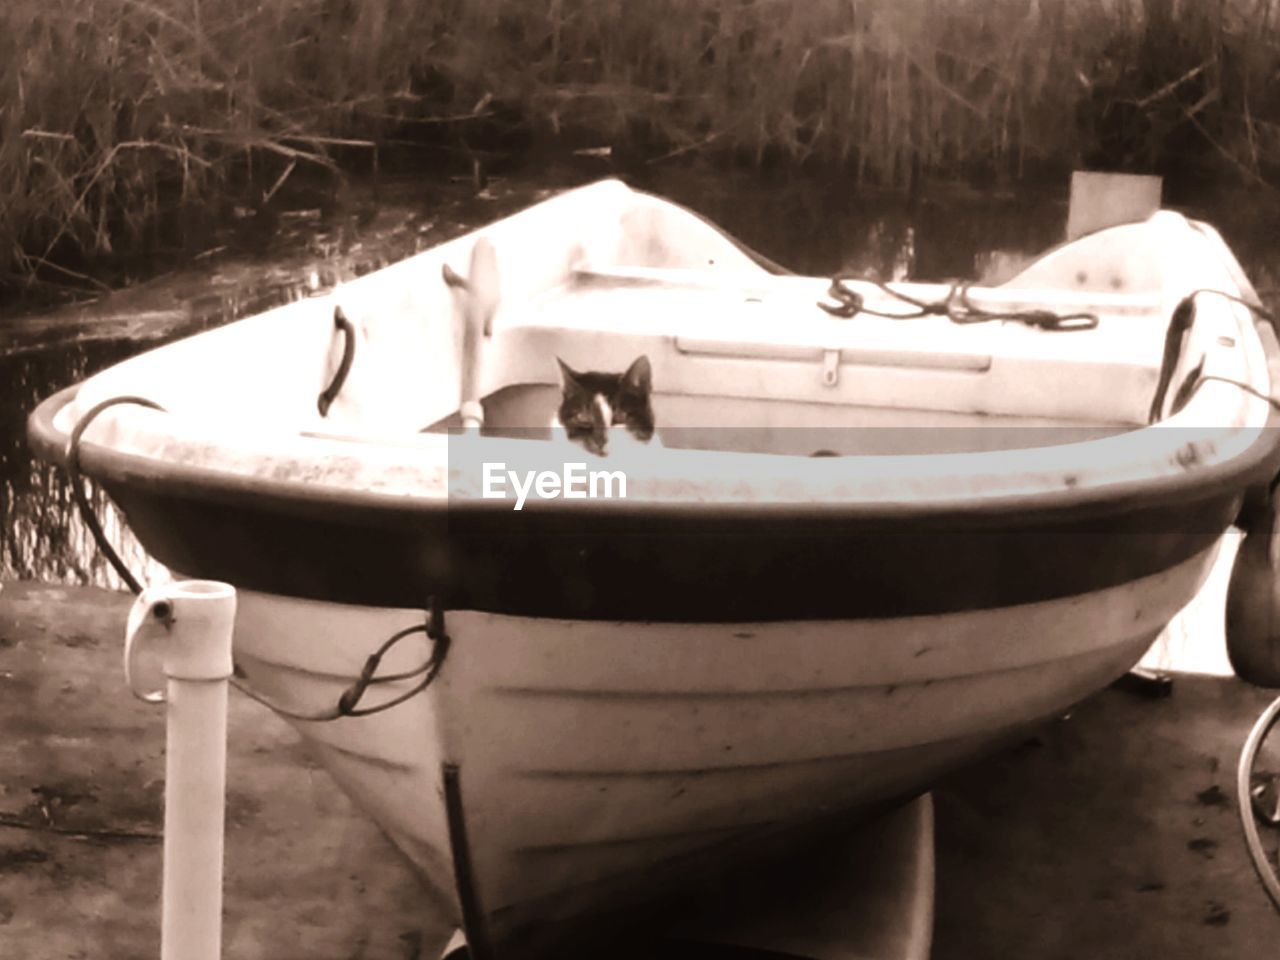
(592, 403)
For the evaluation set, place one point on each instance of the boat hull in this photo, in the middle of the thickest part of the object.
(750, 640)
(598, 764)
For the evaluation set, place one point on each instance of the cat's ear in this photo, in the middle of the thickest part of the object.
(639, 377)
(567, 374)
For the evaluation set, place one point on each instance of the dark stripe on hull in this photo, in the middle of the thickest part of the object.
(685, 568)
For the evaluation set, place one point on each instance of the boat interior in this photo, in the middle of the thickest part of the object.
(743, 360)
(749, 361)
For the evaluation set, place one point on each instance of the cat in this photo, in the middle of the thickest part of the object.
(599, 409)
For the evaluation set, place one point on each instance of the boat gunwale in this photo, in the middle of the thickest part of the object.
(1256, 464)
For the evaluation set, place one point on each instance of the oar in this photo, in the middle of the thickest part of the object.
(479, 290)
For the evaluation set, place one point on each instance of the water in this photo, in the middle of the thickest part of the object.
(812, 225)
(40, 534)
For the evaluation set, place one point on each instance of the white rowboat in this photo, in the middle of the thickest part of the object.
(752, 639)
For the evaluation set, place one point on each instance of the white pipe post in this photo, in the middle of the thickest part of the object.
(191, 624)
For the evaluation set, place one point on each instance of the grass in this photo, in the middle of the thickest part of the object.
(126, 123)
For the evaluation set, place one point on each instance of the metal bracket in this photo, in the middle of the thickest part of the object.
(830, 367)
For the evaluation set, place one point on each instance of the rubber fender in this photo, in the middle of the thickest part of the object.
(1253, 596)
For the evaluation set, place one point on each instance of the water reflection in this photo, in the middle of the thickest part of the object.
(822, 226)
(814, 226)
(41, 534)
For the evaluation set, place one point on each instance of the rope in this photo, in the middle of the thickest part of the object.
(1253, 305)
(348, 704)
(955, 306)
(330, 393)
(1253, 391)
(1247, 800)
(77, 488)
